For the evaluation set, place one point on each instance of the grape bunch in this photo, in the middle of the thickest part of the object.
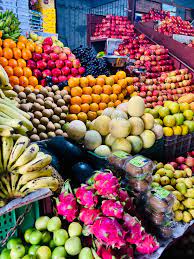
(94, 66)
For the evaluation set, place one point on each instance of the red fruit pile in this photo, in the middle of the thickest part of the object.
(175, 25)
(56, 62)
(155, 15)
(114, 27)
(182, 162)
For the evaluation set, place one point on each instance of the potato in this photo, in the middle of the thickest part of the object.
(36, 91)
(53, 106)
(55, 88)
(60, 102)
(38, 115)
(48, 104)
(42, 108)
(62, 122)
(57, 125)
(41, 128)
(35, 137)
(40, 96)
(63, 93)
(35, 122)
(48, 99)
(17, 89)
(50, 126)
(57, 110)
(31, 97)
(27, 90)
(46, 113)
(48, 89)
(44, 91)
(67, 98)
(50, 95)
(22, 95)
(63, 116)
(57, 97)
(43, 135)
(40, 101)
(64, 108)
(36, 107)
(55, 118)
(44, 121)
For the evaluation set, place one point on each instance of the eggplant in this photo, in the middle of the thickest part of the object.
(81, 172)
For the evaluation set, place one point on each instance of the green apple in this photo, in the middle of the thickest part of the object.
(17, 251)
(167, 103)
(33, 249)
(174, 107)
(29, 257)
(73, 246)
(179, 118)
(75, 229)
(154, 113)
(157, 107)
(159, 121)
(5, 254)
(163, 111)
(86, 252)
(59, 252)
(184, 106)
(54, 224)
(52, 244)
(147, 110)
(43, 252)
(46, 237)
(35, 237)
(188, 114)
(13, 242)
(27, 234)
(41, 223)
(190, 125)
(169, 121)
(60, 237)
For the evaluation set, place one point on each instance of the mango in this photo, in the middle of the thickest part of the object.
(187, 217)
(169, 188)
(189, 193)
(161, 171)
(181, 187)
(184, 173)
(169, 167)
(178, 195)
(188, 182)
(178, 174)
(189, 203)
(192, 179)
(164, 180)
(176, 205)
(188, 172)
(173, 182)
(181, 207)
(178, 215)
(180, 180)
(154, 184)
(159, 165)
(169, 173)
(156, 178)
(192, 213)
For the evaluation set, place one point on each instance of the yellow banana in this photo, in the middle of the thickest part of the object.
(2, 187)
(4, 115)
(10, 93)
(4, 79)
(2, 203)
(19, 147)
(6, 180)
(28, 155)
(6, 131)
(43, 182)
(7, 146)
(25, 178)
(13, 123)
(36, 164)
(1, 162)
(22, 130)
(14, 180)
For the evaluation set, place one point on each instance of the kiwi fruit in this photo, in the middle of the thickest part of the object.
(62, 122)
(46, 113)
(51, 94)
(36, 107)
(57, 97)
(22, 95)
(54, 105)
(40, 101)
(67, 98)
(63, 116)
(64, 92)
(64, 108)
(31, 97)
(44, 91)
(48, 104)
(38, 115)
(44, 120)
(55, 88)
(40, 96)
(57, 110)
(55, 118)
(50, 126)
(36, 91)
(58, 132)
(51, 134)
(48, 99)
(43, 135)
(27, 90)
(57, 126)
(35, 137)
(35, 122)
(41, 128)
(60, 102)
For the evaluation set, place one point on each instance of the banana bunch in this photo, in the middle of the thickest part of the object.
(23, 169)
(9, 25)
(12, 119)
(5, 85)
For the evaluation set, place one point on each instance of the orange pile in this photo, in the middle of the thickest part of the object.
(90, 96)
(13, 57)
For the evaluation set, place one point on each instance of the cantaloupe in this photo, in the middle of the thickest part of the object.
(76, 130)
(119, 128)
(121, 144)
(92, 139)
(148, 120)
(136, 106)
(102, 150)
(148, 138)
(136, 143)
(119, 114)
(158, 130)
(137, 125)
(109, 139)
(101, 124)
(108, 111)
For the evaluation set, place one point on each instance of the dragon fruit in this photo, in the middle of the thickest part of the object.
(86, 197)
(108, 231)
(88, 215)
(106, 184)
(124, 198)
(125, 252)
(112, 208)
(147, 245)
(104, 253)
(67, 207)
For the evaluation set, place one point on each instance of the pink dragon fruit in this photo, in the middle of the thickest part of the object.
(112, 208)
(147, 245)
(108, 231)
(86, 197)
(104, 253)
(124, 198)
(106, 184)
(67, 207)
(125, 252)
(88, 215)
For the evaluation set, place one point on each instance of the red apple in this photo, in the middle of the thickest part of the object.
(45, 57)
(48, 41)
(59, 63)
(65, 71)
(31, 64)
(41, 65)
(46, 73)
(68, 63)
(54, 56)
(36, 56)
(56, 72)
(55, 80)
(74, 71)
(62, 56)
(37, 73)
(62, 78)
(51, 64)
(47, 49)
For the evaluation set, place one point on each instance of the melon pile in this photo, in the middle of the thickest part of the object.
(126, 128)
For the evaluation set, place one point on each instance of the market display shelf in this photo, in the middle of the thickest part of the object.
(94, 39)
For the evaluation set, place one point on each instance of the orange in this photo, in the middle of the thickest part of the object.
(27, 72)
(9, 70)
(1, 42)
(12, 63)
(107, 89)
(38, 49)
(76, 91)
(86, 98)
(14, 80)
(9, 43)
(76, 100)
(26, 54)
(105, 98)
(21, 45)
(113, 97)
(100, 81)
(122, 83)
(22, 39)
(21, 62)
(91, 115)
(18, 71)
(94, 107)
(75, 108)
(117, 102)
(1, 34)
(91, 80)
(124, 91)
(17, 53)
(129, 80)
(87, 90)
(82, 116)
(111, 104)
(116, 89)
(30, 46)
(121, 97)
(85, 107)
(1, 52)
(3, 62)
(121, 74)
(31, 87)
(71, 117)
(102, 76)
(33, 81)
(83, 82)
(115, 78)
(102, 106)
(38, 87)
(72, 82)
(7, 53)
(96, 98)
(130, 89)
(23, 81)
(67, 88)
(97, 89)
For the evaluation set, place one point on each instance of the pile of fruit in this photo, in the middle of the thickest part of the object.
(169, 86)
(118, 27)
(176, 119)
(155, 59)
(126, 128)
(104, 208)
(48, 239)
(177, 177)
(46, 108)
(90, 96)
(155, 15)
(175, 25)
(24, 169)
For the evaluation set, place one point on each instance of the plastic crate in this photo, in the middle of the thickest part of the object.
(8, 3)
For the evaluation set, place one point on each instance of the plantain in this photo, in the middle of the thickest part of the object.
(2, 188)
(22, 130)
(7, 182)
(7, 146)
(6, 131)
(4, 79)
(13, 123)
(2, 203)
(14, 180)
(28, 155)
(1, 162)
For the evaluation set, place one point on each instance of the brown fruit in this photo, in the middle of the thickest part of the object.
(38, 115)
(22, 95)
(67, 98)
(43, 135)
(57, 126)
(55, 88)
(40, 96)
(63, 116)
(57, 97)
(64, 108)
(48, 104)
(35, 137)
(35, 122)
(31, 97)
(59, 132)
(50, 126)
(62, 122)
(44, 91)
(44, 120)
(51, 134)
(27, 90)
(41, 128)
(40, 101)
(36, 91)
(57, 110)
(60, 102)
(36, 107)
(51, 94)
(48, 99)
(46, 113)
(55, 118)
